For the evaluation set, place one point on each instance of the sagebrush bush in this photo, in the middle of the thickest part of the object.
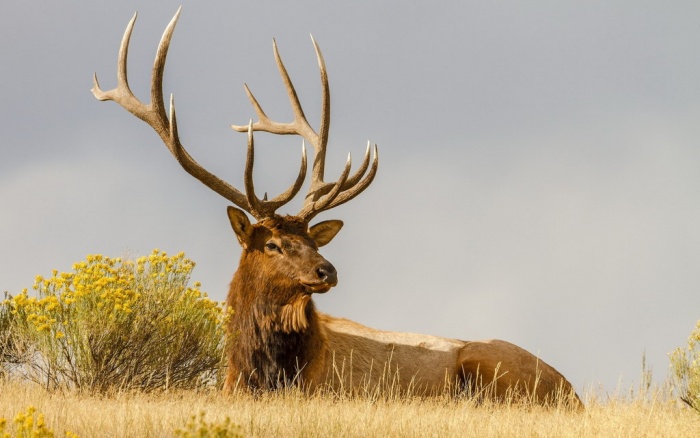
(119, 324)
(685, 366)
(10, 351)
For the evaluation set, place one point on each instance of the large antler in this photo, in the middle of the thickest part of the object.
(322, 195)
(154, 114)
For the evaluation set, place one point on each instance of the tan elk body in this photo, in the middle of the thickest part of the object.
(277, 336)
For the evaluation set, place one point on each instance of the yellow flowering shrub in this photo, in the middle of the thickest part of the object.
(685, 366)
(119, 324)
(29, 424)
(197, 427)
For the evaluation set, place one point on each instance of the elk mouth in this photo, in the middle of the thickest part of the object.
(318, 287)
(324, 278)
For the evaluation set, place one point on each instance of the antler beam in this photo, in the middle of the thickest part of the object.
(154, 115)
(321, 195)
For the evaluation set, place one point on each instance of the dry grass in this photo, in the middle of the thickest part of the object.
(293, 414)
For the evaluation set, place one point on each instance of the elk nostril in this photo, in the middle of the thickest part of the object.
(327, 273)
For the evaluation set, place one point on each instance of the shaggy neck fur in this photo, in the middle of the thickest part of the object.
(274, 328)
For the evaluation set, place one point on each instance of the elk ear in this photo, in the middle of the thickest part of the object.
(241, 226)
(324, 232)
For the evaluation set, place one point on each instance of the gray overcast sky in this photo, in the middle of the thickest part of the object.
(540, 161)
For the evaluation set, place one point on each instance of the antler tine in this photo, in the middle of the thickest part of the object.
(253, 201)
(351, 181)
(264, 208)
(122, 94)
(324, 128)
(344, 190)
(154, 112)
(312, 208)
(299, 126)
(291, 192)
(357, 187)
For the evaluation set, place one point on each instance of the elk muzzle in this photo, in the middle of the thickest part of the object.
(323, 279)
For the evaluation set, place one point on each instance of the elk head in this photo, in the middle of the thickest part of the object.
(286, 246)
(287, 249)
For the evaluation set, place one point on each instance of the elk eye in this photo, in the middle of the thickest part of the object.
(270, 246)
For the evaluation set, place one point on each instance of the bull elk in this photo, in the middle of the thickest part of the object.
(279, 336)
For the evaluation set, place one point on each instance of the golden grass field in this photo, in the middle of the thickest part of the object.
(293, 414)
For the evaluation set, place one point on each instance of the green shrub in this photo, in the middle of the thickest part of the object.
(113, 324)
(685, 365)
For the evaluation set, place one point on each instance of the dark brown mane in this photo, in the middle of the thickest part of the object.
(265, 356)
(275, 329)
